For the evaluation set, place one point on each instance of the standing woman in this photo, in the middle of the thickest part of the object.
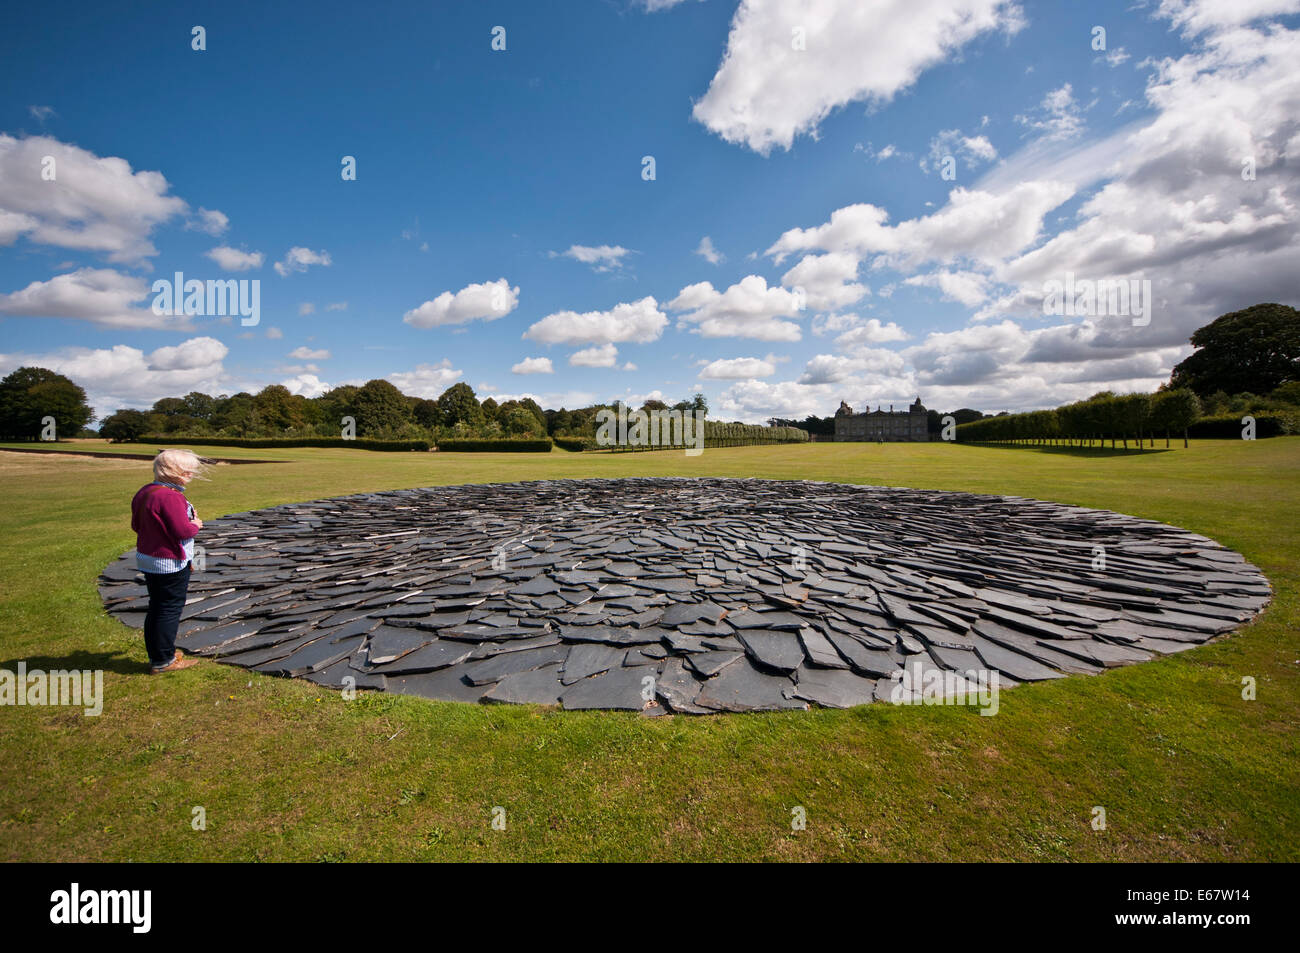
(165, 525)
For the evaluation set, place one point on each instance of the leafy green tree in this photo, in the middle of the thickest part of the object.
(458, 406)
(275, 409)
(519, 421)
(335, 404)
(380, 408)
(1174, 410)
(199, 405)
(308, 411)
(426, 413)
(171, 407)
(536, 410)
(29, 394)
(1256, 349)
(172, 416)
(1288, 393)
(234, 415)
(1134, 411)
(559, 421)
(125, 426)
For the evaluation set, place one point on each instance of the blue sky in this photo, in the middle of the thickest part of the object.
(477, 166)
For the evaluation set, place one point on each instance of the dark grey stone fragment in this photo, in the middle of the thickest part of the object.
(741, 687)
(833, 688)
(448, 685)
(499, 666)
(678, 688)
(708, 664)
(590, 658)
(388, 644)
(437, 654)
(313, 657)
(342, 675)
(819, 649)
(863, 660)
(771, 649)
(620, 688)
(540, 686)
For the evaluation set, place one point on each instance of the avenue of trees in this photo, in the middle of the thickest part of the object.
(1102, 417)
(1246, 363)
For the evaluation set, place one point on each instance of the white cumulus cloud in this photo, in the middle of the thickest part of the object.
(637, 322)
(93, 203)
(606, 355)
(768, 90)
(300, 259)
(534, 365)
(99, 295)
(599, 257)
(738, 368)
(710, 254)
(487, 301)
(747, 309)
(234, 259)
(305, 353)
(427, 380)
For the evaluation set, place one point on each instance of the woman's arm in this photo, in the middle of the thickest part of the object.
(175, 517)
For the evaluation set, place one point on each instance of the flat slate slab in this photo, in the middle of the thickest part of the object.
(833, 688)
(691, 596)
(624, 688)
(540, 686)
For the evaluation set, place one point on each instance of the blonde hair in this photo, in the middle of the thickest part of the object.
(170, 464)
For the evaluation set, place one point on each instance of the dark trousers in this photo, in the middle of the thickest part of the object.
(166, 600)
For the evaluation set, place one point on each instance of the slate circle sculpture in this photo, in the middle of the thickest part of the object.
(690, 595)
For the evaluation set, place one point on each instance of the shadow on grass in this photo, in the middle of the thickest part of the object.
(1080, 451)
(83, 661)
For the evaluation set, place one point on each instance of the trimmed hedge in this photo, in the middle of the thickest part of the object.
(274, 442)
(575, 444)
(495, 446)
(1229, 426)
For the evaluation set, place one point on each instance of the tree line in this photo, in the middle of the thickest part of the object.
(376, 410)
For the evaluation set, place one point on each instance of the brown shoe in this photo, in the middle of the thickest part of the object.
(175, 665)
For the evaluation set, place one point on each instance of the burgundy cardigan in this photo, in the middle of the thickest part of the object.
(160, 518)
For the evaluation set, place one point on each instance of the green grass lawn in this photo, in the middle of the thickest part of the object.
(1185, 768)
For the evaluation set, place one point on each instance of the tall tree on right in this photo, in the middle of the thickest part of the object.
(1250, 351)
